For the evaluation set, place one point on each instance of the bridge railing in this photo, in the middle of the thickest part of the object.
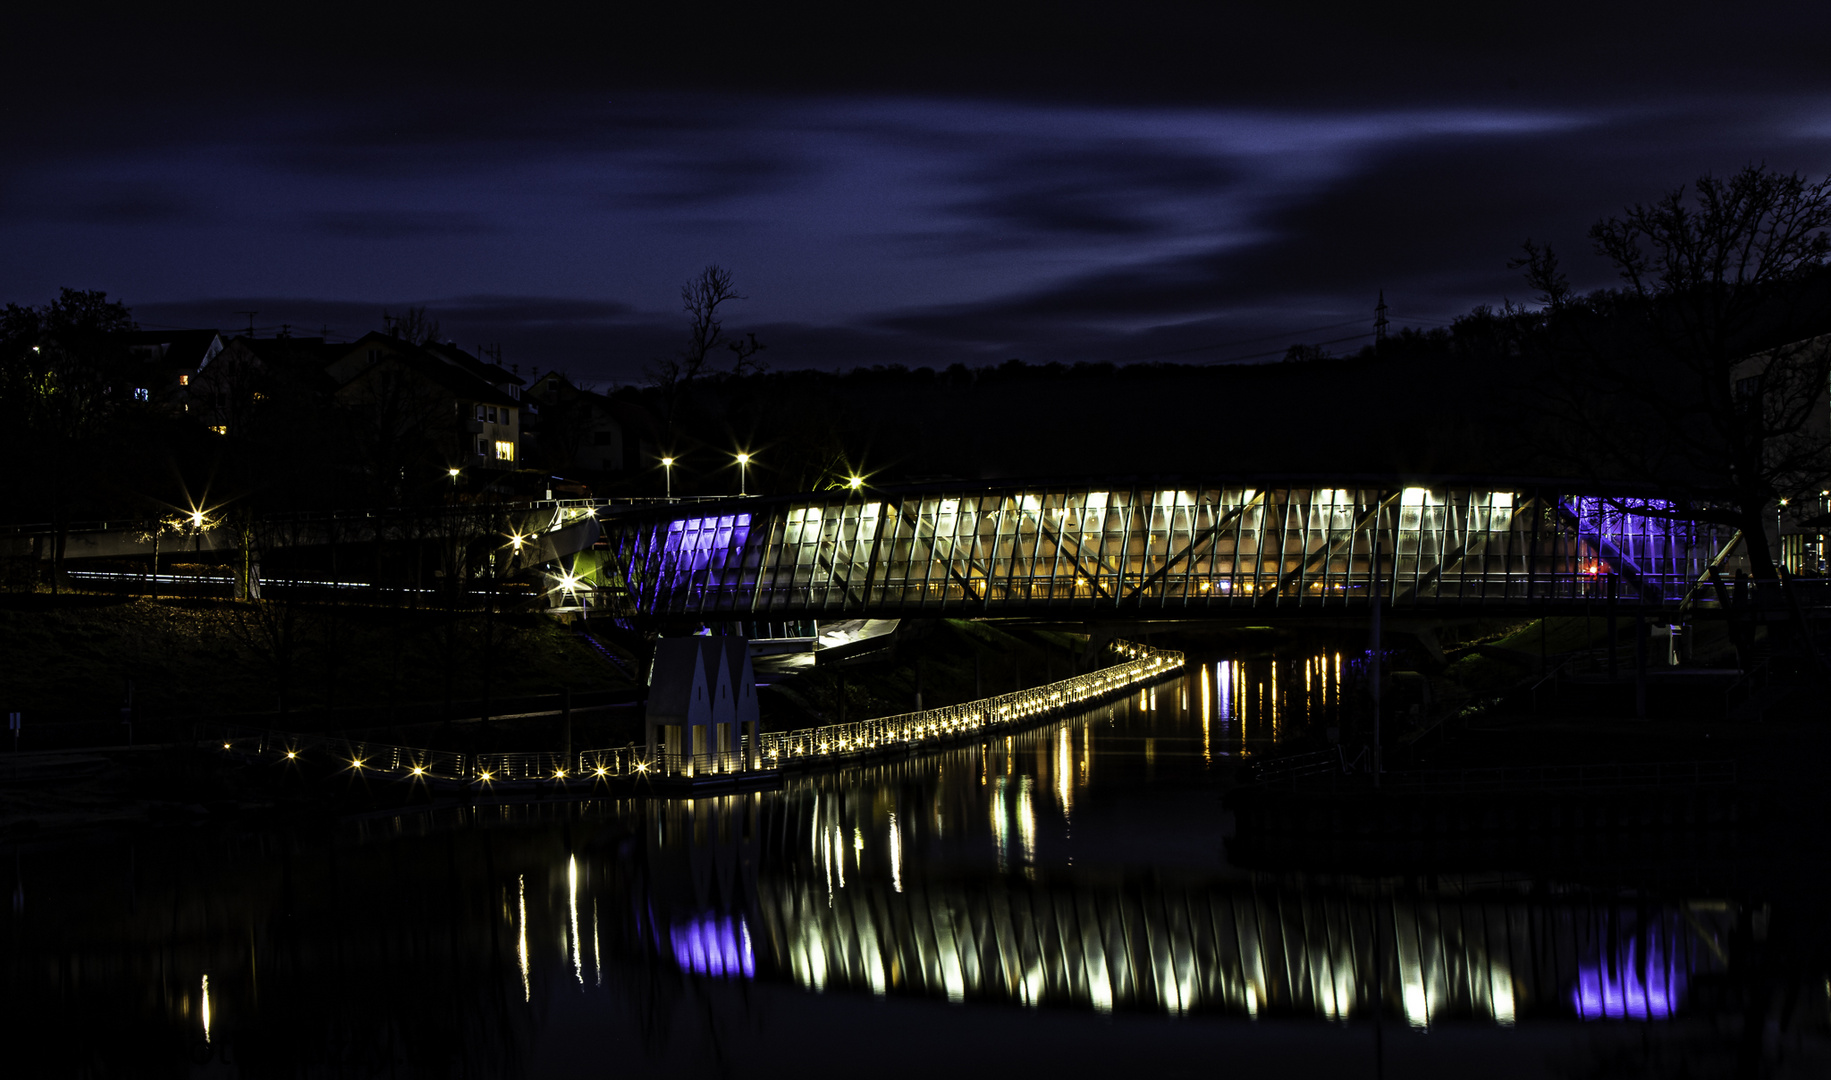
(1138, 665)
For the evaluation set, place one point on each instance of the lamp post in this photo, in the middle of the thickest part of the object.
(743, 470)
(667, 472)
(856, 483)
(1779, 537)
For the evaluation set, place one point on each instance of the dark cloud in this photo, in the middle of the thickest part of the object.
(918, 185)
(130, 209)
(103, 203)
(1110, 190)
(396, 224)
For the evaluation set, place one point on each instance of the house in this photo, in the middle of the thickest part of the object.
(163, 363)
(575, 431)
(468, 411)
(1780, 382)
(239, 384)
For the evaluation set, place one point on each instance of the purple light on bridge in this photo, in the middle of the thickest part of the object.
(710, 945)
(690, 546)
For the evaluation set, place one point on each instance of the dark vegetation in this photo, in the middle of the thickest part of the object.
(954, 661)
(72, 658)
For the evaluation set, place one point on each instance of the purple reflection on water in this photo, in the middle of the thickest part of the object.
(1642, 978)
(710, 945)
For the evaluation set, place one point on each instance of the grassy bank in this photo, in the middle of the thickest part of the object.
(72, 658)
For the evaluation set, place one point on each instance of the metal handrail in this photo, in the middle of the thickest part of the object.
(972, 719)
(833, 742)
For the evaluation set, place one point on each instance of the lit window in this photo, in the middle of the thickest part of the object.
(505, 450)
(184, 380)
(220, 429)
(142, 394)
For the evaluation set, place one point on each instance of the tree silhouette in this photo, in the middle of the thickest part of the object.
(1706, 375)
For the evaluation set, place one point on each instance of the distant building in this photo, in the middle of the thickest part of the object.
(163, 363)
(242, 380)
(574, 431)
(467, 408)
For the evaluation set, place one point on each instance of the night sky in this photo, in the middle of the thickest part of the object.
(940, 184)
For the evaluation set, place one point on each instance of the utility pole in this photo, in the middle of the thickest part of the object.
(1373, 665)
(251, 315)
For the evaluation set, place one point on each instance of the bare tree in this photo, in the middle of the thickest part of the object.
(1707, 374)
(700, 299)
(415, 327)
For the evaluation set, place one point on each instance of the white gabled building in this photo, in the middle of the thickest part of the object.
(702, 702)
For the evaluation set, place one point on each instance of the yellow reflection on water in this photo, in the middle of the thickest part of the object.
(1207, 747)
(1026, 821)
(521, 941)
(896, 856)
(206, 1008)
(572, 908)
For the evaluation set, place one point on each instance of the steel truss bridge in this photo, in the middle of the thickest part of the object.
(1170, 550)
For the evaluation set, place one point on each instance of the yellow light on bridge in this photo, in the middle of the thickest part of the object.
(419, 770)
(290, 754)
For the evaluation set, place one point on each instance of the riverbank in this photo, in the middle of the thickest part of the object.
(78, 658)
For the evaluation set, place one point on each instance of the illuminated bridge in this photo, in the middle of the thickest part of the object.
(1164, 550)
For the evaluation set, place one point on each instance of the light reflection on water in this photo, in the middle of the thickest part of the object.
(1077, 866)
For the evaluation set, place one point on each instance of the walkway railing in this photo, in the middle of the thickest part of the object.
(833, 743)
(1140, 664)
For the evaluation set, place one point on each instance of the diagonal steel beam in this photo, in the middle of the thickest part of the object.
(1058, 536)
(1329, 550)
(1189, 548)
(1452, 558)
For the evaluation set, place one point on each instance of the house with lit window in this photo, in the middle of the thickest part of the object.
(575, 431)
(468, 410)
(163, 363)
(1779, 384)
(241, 381)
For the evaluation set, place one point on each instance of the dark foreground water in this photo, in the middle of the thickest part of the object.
(1060, 903)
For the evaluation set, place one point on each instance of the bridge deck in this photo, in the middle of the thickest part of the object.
(1174, 551)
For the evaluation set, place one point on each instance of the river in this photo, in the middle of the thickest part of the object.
(1061, 900)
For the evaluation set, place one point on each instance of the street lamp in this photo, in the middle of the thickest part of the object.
(743, 468)
(667, 470)
(856, 483)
